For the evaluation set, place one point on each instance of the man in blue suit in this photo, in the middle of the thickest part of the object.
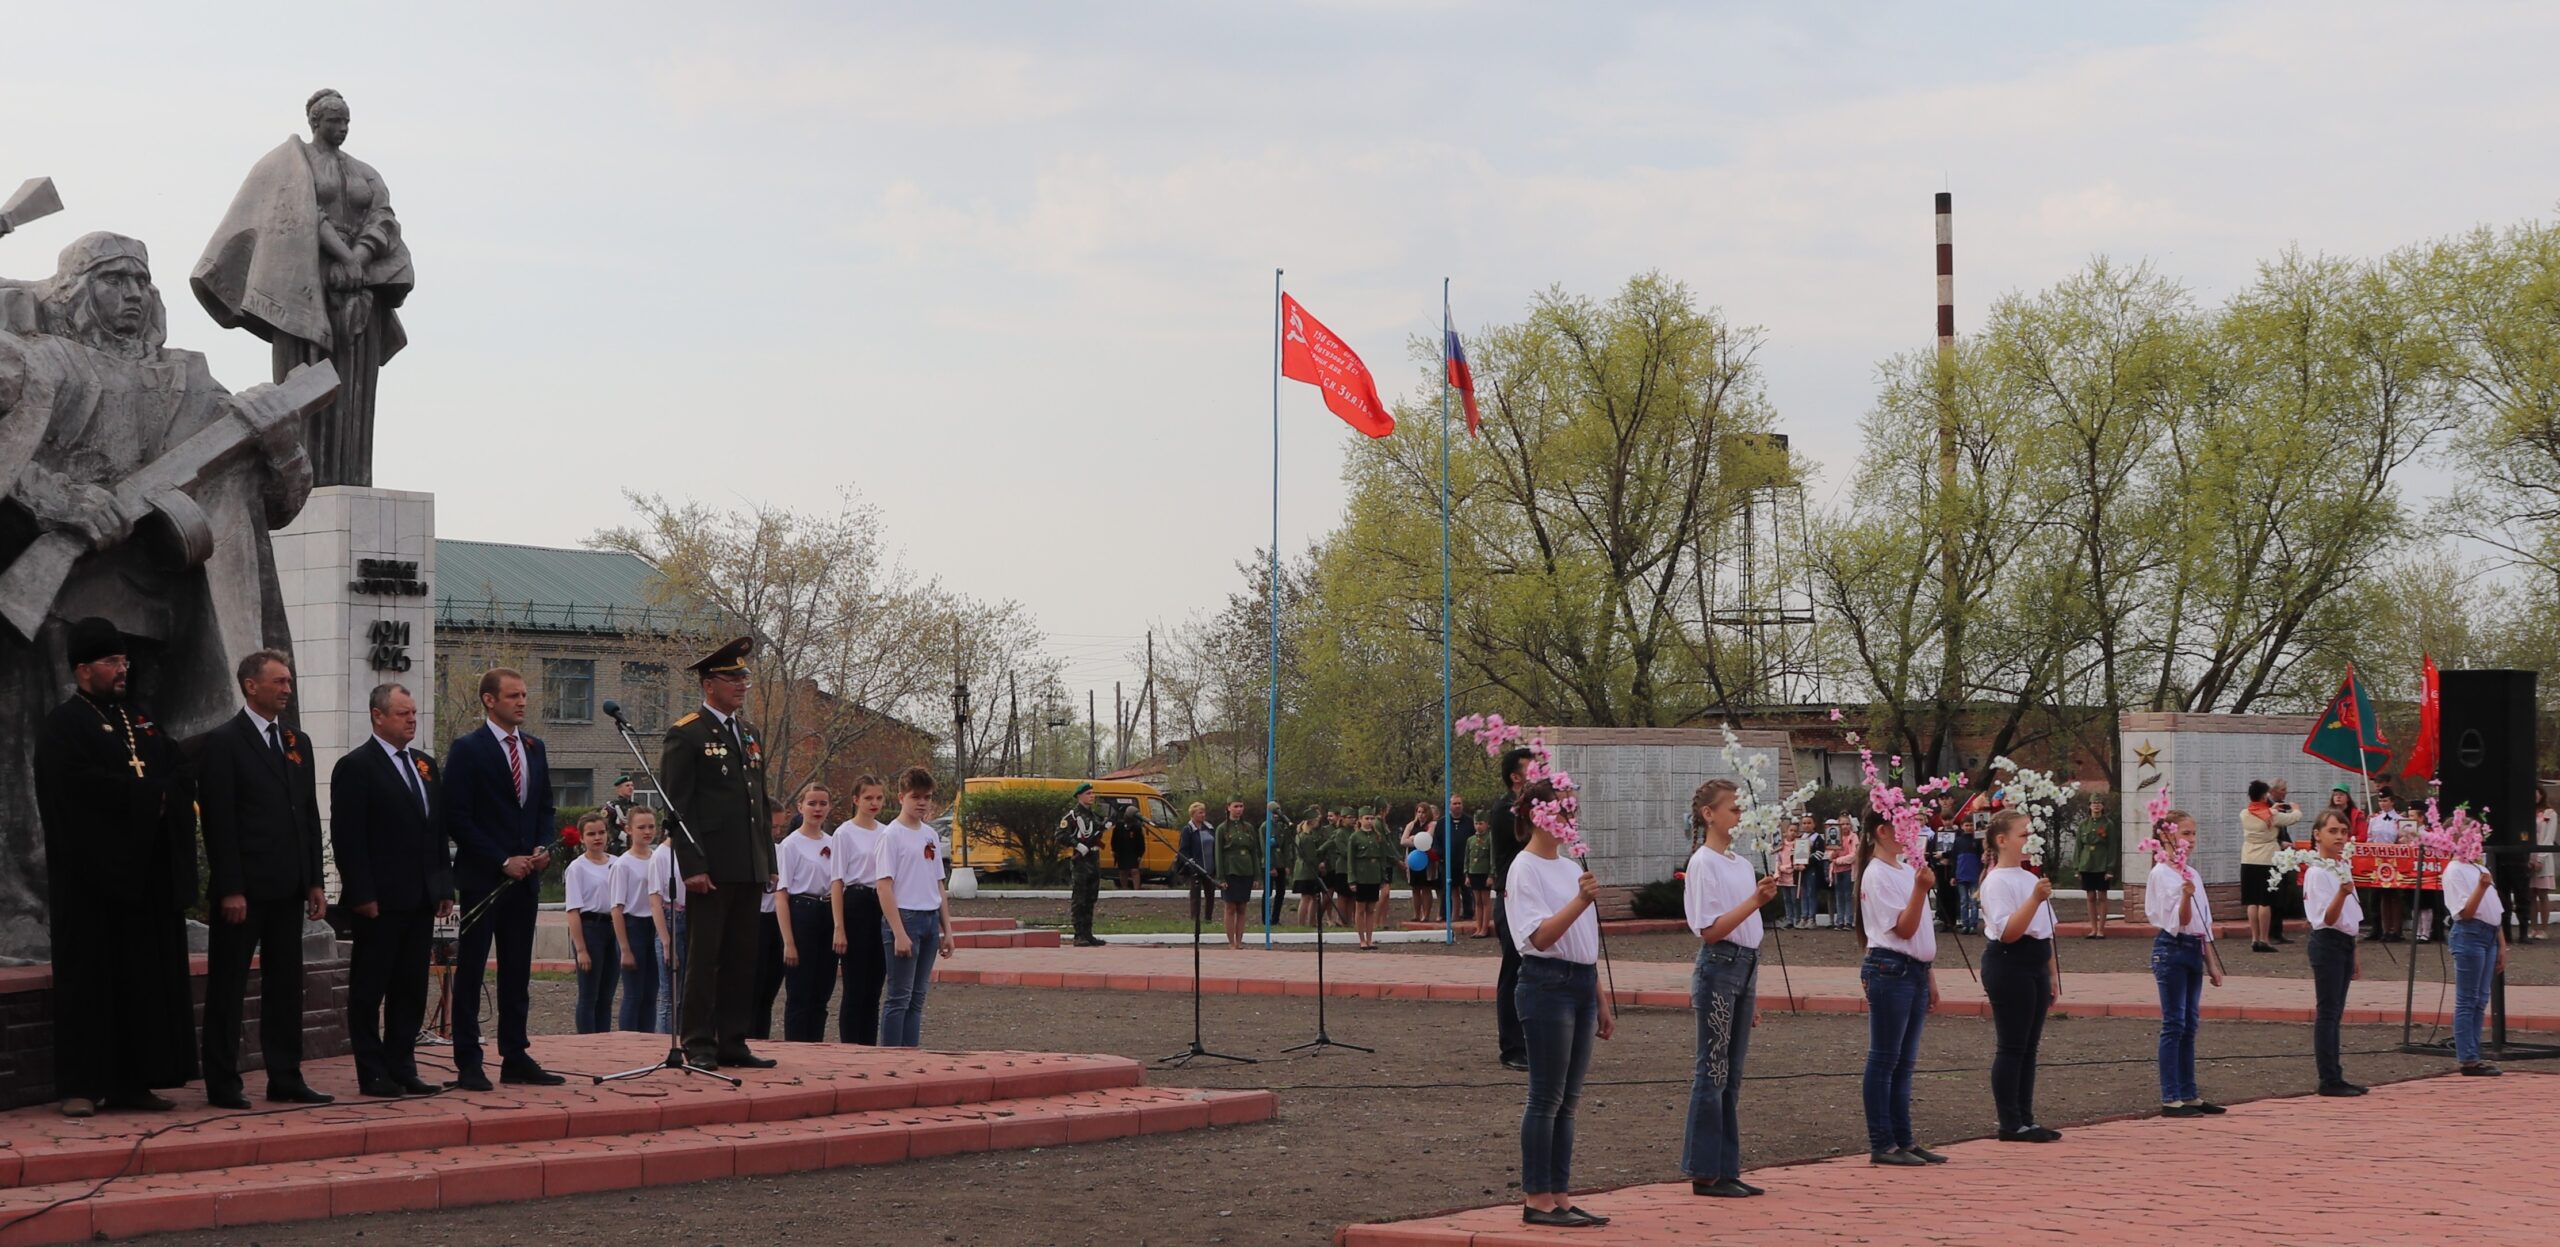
(497, 805)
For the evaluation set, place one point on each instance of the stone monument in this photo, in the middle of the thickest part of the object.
(133, 487)
(310, 258)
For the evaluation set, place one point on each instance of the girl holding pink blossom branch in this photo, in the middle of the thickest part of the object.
(2182, 959)
(1548, 898)
(1899, 973)
(2478, 935)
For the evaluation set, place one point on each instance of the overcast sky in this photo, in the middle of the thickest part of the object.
(1006, 268)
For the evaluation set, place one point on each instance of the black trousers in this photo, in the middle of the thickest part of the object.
(866, 967)
(2333, 963)
(1506, 1013)
(769, 970)
(387, 991)
(273, 934)
(508, 925)
(2018, 979)
(1087, 891)
(812, 982)
(721, 955)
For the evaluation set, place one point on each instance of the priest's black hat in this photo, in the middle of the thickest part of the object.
(94, 638)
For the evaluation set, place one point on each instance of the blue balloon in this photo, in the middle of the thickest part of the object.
(1418, 860)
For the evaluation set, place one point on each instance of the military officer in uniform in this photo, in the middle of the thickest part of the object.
(1082, 832)
(713, 772)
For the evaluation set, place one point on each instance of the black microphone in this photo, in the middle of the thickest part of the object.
(613, 711)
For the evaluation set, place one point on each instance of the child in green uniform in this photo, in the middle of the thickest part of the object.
(1479, 872)
(1239, 860)
(1306, 880)
(1336, 865)
(1372, 851)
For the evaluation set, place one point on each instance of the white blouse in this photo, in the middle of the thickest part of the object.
(2459, 879)
(1539, 888)
(1883, 890)
(1718, 881)
(2160, 896)
(805, 865)
(2319, 886)
(2005, 890)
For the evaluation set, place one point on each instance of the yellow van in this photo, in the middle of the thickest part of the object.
(992, 857)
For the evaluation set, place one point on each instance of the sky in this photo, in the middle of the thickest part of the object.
(1004, 269)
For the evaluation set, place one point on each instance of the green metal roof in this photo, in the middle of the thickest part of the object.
(488, 584)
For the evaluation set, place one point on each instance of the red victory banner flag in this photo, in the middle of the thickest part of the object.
(1311, 353)
(2422, 753)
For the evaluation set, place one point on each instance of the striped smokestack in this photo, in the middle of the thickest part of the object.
(1947, 583)
(1946, 272)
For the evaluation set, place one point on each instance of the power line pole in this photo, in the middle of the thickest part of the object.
(1092, 737)
(1012, 725)
(1119, 729)
(1150, 693)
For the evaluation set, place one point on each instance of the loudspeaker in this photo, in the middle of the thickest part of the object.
(2485, 749)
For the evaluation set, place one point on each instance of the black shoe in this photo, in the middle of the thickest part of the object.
(2481, 1069)
(1747, 1188)
(469, 1080)
(1721, 1188)
(2180, 1110)
(2261, 946)
(2279, 939)
(528, 1074)
(1926, 1156)
(139, 1102)
(1894, 1158)
(297, 1092)
(226, 1097)
(380, 1088)
(1550, 1216)
(745, 1060)
(412, 1085)
(1519, 1063)
(2029, 1134)
(1087, 941)
(2341, 1090)
(1583, 1217)
(2210, 1109)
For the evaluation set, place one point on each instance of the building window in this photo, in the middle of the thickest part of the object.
(644, 696)
(568, 690)
(573, 789)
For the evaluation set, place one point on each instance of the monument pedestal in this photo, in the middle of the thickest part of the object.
(355, 569)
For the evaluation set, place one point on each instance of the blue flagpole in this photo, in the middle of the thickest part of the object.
(1271, 734)
(1448, 845)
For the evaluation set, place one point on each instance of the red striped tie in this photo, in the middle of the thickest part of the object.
(515, 767)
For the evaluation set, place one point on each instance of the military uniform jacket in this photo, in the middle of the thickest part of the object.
(1306, 845)
(1284, 848)
(1082, 832)
(1239, 849)
(714, 778)
(1373, 855)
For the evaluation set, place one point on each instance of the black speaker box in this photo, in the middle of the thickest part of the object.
(2485, 749)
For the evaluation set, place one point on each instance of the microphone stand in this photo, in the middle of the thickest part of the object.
(675, 1058)
(1183, 866)
(1322, 1040)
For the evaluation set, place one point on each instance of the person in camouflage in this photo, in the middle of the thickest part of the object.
(1082, 832)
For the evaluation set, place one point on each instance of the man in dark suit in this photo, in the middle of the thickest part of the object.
(1502, 822)
(257, 794)
(713, 771)
(497, 807)
(394, 881)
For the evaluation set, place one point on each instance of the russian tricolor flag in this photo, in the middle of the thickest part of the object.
(1463, 379)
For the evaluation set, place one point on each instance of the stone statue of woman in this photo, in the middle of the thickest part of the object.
(310, 258)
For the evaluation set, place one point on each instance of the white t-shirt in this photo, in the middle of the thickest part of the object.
(857, 853)
(2005, 890)
(910, 859)
(1717, 882)
(2383, 827)
(2319, 885)
(1538, 888)
(632, 879)
(2459, 879)
(1883, 890)
(805, 865)
(2161, 893)
(590, 885)
(663, 881)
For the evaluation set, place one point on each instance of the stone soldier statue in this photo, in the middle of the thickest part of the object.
(311, 259)
(135, 489)
(713, 770)
(1082, 832)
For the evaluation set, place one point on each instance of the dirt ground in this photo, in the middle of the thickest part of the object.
(1427, 1123)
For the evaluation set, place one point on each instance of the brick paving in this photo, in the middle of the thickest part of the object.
(1656, 984)
(2271, 1172)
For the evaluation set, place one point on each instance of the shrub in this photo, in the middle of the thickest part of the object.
(1021, 823)
(1662, 898)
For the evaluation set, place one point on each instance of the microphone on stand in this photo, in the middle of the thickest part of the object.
(613, 711)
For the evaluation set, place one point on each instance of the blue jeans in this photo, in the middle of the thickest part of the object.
(2475, 963)
(666, 1020)
(1897, 1003)
(1789, 897)
(1844, 900)
(1559, 1015)
(1969, 917)
(1809, 887)
(2177, 965)
(902, 995)
(1724, 990)
(640, 979)
(595, 983)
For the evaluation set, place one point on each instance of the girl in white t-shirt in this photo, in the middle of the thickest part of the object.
(1900, 977)
(2183, 960)
(804, 885)
(907, 869)
(2019, 974)
(1723, 899)
(637, 924)
(1547, 899)
(2479, 940)
(860, 935)
(589, 880)
(2330, 903)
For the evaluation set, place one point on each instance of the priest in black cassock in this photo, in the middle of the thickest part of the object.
(120, 852)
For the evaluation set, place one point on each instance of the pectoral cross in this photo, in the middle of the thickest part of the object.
(136, 763)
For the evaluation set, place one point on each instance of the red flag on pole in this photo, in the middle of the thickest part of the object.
(1311, 353)
(2422, 753)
